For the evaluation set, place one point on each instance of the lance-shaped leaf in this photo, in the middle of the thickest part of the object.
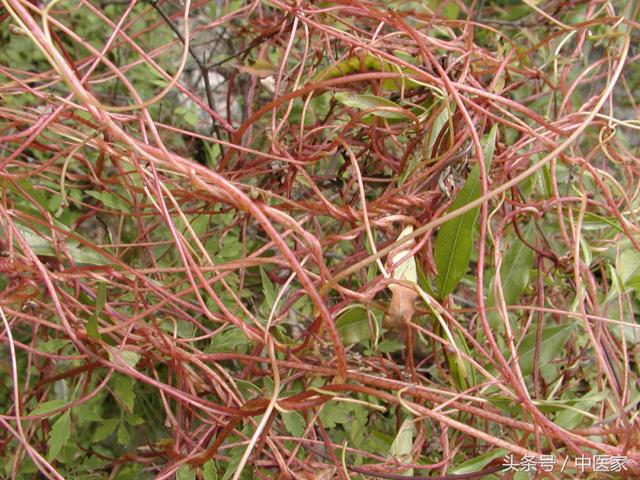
(369, 102)
(452, 249)
(514, 272)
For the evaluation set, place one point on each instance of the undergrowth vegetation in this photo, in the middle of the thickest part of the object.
(316, 240)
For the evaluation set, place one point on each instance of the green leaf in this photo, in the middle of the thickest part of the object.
(514, 273)
(86, 412)
(452, 249)
(123, 389)
(110, 200)
(106, 429)
(353, 325)
(294, 422)
(478, 463)
(229, 340)
(235, 455)
(133, 420)
(391, 345)
(368, 63)
(462, 370)
(403, 443)
(348, 66)
(451, 10)
(516, 267)
(571, 417)
(101, 299)
(59, 435)
(101, 296)
(593, 221)
(247, 389)
(41, 246)
(334, 413)
(268, 289)
(634, 282)
(181, 328)
(124, 438)
(128, 357)
(422, 154)
(209, 471)
(231, 249)
(440, 121)
(185, 472)
(47, 407)
(628, 268)
(553, 339)
(368, 102)
(53, 345)
(92, 327)
(36, 194)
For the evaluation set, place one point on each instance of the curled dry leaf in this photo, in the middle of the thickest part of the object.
(402, 306)
(269, 84)
(259, 69)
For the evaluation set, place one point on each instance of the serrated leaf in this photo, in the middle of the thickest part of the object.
(229, 340)
(452, 248)
(59, 435)
(106, 429)
(294, 422)
(185, 472)
(47, 407)
(85, 413)
(53, 345)
(124, 438)
(235, 454)
(123, 389)
(128, 357)
(353, 325)
(209, 471)
(134, 420)
(334, 413)
(553, 339)
(368, 102)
